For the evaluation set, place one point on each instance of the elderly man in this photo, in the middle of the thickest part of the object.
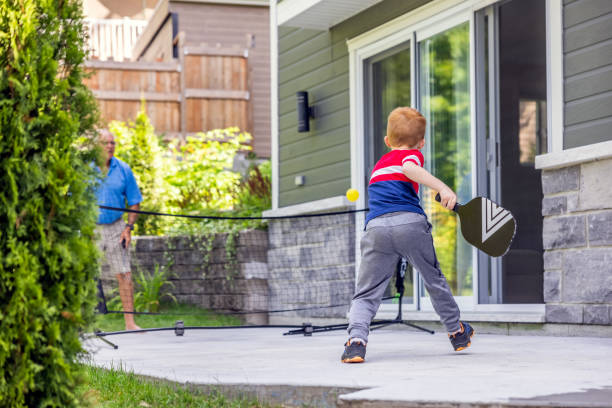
(118, 187)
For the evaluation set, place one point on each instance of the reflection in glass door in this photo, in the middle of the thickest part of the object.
(444, 99)
(387, 87)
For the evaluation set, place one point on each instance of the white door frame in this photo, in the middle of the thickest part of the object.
(414, 26)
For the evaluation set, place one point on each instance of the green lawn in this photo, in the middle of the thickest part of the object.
(190, 315)
(117, 389)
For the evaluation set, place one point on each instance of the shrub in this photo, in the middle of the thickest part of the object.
(202, 177)
(47, 210)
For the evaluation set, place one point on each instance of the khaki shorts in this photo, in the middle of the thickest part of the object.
(116, 259)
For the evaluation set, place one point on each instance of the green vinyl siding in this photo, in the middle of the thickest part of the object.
(317, 62)
(587, 46)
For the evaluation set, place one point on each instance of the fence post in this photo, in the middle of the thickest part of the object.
(180, 41)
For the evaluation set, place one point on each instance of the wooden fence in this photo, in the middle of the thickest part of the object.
(206, 88)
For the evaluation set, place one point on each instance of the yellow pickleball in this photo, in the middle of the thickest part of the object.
(352, 194)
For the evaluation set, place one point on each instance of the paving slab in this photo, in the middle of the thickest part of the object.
(403, 368)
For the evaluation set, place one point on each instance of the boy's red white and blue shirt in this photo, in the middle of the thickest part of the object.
(390, 190)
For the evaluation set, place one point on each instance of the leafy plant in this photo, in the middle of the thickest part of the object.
(255, 193)
(202, 175)
(47, 208)
(150, 289)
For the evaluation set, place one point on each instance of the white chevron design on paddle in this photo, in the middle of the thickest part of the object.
(493, 218)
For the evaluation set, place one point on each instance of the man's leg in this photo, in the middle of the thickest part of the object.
(119, 259)
(126, 293)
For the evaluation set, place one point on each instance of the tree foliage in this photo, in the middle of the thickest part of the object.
(47, 209)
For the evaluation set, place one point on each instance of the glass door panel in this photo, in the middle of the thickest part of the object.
(444, 99)
(388, 86)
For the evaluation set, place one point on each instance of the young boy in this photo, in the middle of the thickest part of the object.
(396, 226)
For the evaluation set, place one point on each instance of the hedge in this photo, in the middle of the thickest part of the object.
(47, 208)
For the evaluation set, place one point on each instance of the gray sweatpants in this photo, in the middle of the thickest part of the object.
(388, 238)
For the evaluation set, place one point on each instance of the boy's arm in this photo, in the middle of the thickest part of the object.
(422, 176)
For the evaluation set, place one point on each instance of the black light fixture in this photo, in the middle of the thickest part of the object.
(304, 111)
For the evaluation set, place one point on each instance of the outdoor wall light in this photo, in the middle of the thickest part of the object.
(304, 111)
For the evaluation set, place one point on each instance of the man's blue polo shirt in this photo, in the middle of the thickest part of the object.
(118, 186)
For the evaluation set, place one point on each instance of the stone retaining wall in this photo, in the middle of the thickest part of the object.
(577, 209)
(206, 278)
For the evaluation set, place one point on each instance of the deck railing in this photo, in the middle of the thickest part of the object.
(113, 39)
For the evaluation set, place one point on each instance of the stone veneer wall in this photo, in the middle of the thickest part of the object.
(204, 279)
(311, 264)
(577, 209)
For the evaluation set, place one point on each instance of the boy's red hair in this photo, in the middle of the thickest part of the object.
(405, 127)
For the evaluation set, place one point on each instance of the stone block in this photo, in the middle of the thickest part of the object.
(573, 202)
(253, 238)
(596, 314)
(279, 258)
(188, 257)
(564, 232)
(178, 272)
(554, 205)
(587, 276)
(553, 260)
(254, 269)
(565, 179)
(150, 244)
(600, 229)
(594, 176)
(564, 313)
(189, 287)
(150, 258)
(256, 302)
(197, 300)
(181, 243)
(326, 255)
(342, 272)
(552, 286)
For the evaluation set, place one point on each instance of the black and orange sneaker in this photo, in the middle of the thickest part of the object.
(462, 340)
(354, 352)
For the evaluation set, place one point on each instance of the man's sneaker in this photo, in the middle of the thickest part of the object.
(462, 340)
(354, 352)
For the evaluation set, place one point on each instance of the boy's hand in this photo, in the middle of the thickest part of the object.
(448, 198)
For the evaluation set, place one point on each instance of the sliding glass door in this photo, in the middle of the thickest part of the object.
(388, 85)
(479, 77)
(445, 99)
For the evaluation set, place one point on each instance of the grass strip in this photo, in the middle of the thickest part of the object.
(189, 314)
(116, 388)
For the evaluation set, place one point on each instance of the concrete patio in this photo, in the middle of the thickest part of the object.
(403, 368)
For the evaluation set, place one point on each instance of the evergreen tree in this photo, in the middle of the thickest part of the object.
(47, 209)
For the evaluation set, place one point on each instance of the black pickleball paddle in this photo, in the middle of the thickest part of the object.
(486, 225)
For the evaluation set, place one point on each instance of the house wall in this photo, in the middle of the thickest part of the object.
(577, 200)
(317, 62)
(588, 71)
(160, 49)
